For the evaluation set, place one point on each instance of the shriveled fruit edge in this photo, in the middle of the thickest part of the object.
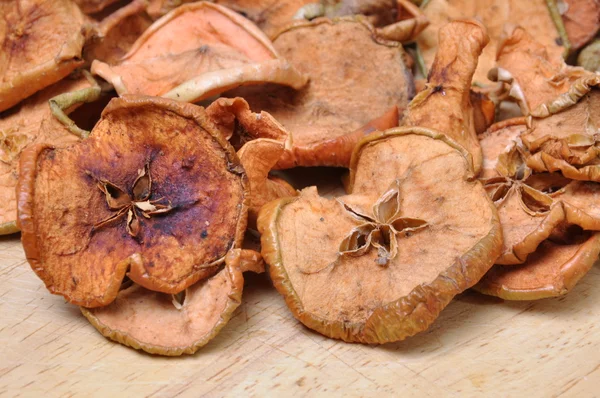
(559, 212)
(56, 69)
(340, 147)
(25, 221)
(541, 162)
(235, 17)
(206, 85)
(410, 314)
(514, 121)
(572, 272)
(353, 19)
(235, 299)
(577, 91)
(190, 111)
(371, 138)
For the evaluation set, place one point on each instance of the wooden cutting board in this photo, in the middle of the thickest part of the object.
(479, 344)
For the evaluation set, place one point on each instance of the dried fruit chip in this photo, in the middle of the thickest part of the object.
(154, 192)
(30, 122)
(195, 52)
(448, 87)
(376, 268)
(532, 208)
(553, 270)
(416, 230)
(41, 44)
(114, 35)
(536, 15)
(173, 325)
(581, 19)
(536, 74)
(322, 116)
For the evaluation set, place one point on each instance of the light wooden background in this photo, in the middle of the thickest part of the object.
(546, 348)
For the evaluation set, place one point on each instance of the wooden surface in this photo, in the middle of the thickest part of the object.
(479, 344)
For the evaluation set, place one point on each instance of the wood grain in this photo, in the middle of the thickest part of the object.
(546, 348)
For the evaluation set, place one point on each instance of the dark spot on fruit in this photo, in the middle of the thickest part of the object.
(204, 234)
(438, 89)
(188, 163)
(558, 41)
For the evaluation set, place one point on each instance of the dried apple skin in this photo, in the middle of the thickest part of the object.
(402, 317)
(133, 132)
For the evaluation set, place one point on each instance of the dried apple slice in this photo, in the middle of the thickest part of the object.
(170, 325)
(532, 208)
(540, 17)
(41, 44)
(114, 35)
(155, 192)
(581, 19)
(322, 116)
(377, 277)
(448, 87)
(416, 229)
(553, 270)
(195, 52)
(535, 74)
(30, 122)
